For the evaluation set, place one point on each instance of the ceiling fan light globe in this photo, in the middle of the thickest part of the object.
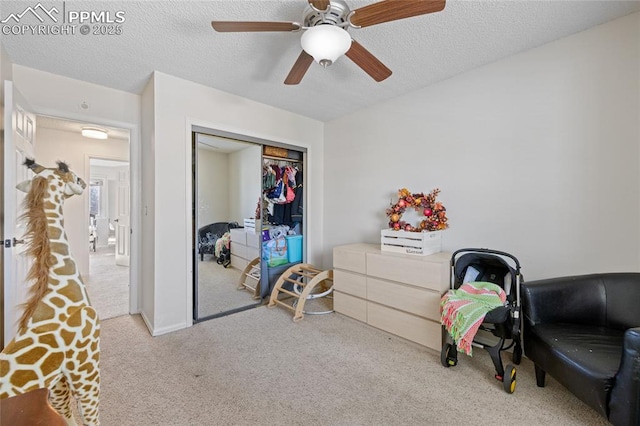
(326, 43)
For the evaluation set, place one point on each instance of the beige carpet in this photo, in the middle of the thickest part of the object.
(257, 367)
(107, 284)
(218, 289)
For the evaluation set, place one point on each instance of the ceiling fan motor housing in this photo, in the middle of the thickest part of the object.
(338, 14)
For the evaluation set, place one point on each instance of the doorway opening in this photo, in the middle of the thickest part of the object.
(108, 281)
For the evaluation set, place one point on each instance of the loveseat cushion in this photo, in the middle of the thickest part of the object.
(583, 358)
(623, 296)
(624, 403)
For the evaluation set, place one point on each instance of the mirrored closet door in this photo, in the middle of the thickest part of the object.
(227, 190)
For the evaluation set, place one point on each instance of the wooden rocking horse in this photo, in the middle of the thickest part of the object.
(58, 341)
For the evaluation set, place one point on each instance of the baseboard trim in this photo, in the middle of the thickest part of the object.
(160, 331)
(170, 329)
(147, 322)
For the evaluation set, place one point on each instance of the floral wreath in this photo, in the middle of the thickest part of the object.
(434, 212)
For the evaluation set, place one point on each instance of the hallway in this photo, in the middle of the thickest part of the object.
(107, 284)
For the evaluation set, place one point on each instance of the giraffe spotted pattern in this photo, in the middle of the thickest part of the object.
(58, 342)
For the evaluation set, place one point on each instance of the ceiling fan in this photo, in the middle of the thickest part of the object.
(325, 38)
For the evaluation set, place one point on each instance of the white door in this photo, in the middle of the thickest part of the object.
(19, 143)
(123, 221)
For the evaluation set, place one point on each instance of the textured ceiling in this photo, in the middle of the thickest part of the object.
(176, 38)
(76, 127)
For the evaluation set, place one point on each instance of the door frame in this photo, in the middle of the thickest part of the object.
(135, 164)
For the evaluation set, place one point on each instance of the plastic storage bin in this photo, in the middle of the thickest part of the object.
(294, 248)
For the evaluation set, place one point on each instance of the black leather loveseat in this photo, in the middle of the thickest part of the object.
(585, 332)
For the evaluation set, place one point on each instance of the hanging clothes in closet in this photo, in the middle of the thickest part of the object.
(282, 217)
(283, 190)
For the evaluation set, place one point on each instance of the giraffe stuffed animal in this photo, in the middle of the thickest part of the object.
(57, 345)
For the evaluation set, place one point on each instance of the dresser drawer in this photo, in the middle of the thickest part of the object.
(350, 306)
(238, 262)
(238, 236)
(252, 253)
(239, 250)
(350, 283)
(430, 272)
(417, 301)
(253, 239)
(349, 259)
(420, 330)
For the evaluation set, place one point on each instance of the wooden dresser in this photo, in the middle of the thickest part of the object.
(245, 246)
(397, 293)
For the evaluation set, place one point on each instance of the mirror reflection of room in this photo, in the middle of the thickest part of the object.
(228, 189)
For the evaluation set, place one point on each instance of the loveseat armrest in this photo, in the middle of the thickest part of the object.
(577, 299)
(624, 406)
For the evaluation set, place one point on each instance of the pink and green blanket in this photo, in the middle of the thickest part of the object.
(464, 309)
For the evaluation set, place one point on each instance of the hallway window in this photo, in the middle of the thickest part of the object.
(95, 193)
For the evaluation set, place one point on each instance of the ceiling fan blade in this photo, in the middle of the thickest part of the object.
(249, 26)
(391, 10)
(369, 63)
(299, 68)
(320, 4)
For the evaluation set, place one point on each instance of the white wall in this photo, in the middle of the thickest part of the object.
(245, 180)
(229, 184)
(179, 104)
(536, 155)
(51, 94)
(74, 149)
(213, 187)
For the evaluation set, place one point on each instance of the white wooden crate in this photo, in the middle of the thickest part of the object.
(250, 225)
(417, 243)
